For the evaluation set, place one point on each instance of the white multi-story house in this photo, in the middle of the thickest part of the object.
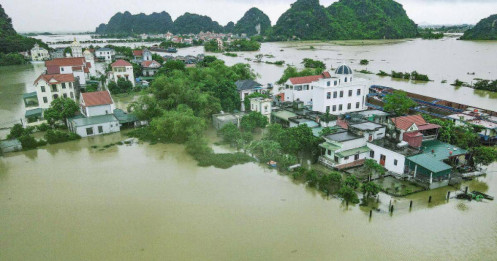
(39, 53)
(75, 65)
(341, 93)
(91, 60)
(122, 69)
(106, 54)
(245, 88)
(343, 150)
(76, 49)
(97, 116)
(337, 93)
(52, 86)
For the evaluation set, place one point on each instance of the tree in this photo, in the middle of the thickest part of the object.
(266, 150)
(364, 62)
(352, 182)
(398, 103)
(373, 167)
(146, 108)
(123, 85)
(348, 194)
(312, 178)
(16, 131)
(60, 109)
(230, 133)
(370, 189)
(314, 64)
(177, 125)
(484, 155)
(330, 183)
(172, 65)
(253, 121)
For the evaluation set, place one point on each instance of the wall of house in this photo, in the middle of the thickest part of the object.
(108, 127)
(352, 144)
(127, 73)
(100, 110)
(46, 97)
(350, 159)
(299, 92)
(391, 156)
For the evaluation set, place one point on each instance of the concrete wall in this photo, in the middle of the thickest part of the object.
(100, 110)
(108, 127)
(391, 156)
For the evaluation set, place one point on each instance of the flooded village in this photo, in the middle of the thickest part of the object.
(153, 146)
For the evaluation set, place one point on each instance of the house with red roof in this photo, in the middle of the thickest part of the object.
(52, 86)
(150, 68)
(96, 103)
(412, 129)
(122, 69)
(78, 66)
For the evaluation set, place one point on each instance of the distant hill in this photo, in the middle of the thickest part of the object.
(253, 22)
(10, 41)
(486, 29)
(307, 20)
(126, 23)
(229, 28)
(344, 20)
(372, 19)
(194, 23)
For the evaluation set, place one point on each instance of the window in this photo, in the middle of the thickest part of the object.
(89, 131)
(328, 83)
(328, 95)
(358, 92)
(340, 107)
(357, 104)
(106, 112)
(42, 88)
(349, 106)
(70, 85)
(329, 152)
(63, 85)
(54, 87)
(61, 69)
(395, 162)
(341, 94)
(356, 157)
(72, 95)
(55, 96)
(345, 79)
(65, 95)
(334, 95)
(334, 108)
(336, 159)
(371, 154)
(336, 83)
(346, 158)
(350, 79)
(100, 129)
(327, 108)
(45, 100)
(350, 93)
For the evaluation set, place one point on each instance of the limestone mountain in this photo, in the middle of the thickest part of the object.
(194, 23)
(486, 29)
(126, 23)
(253, 22)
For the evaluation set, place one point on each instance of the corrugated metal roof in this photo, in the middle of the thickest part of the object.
(29, 95)
(430, 163)
(284, 115)
(33, 112)
(329, 146)
(348, 153)
(124, 117)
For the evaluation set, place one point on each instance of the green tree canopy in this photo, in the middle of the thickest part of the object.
(60, 109)
(398, 103)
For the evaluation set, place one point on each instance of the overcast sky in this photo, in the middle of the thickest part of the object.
(85, 15)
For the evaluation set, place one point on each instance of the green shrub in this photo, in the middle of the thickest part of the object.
(56, 136)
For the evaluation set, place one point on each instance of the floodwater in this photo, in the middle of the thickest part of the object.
(151, 202)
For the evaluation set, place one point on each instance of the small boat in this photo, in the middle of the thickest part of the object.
(485, 196)
(171, 50)
(272, 164)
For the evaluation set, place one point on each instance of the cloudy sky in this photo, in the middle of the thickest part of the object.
(85, 15)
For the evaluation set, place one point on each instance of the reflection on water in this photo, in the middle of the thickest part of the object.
(75, 202)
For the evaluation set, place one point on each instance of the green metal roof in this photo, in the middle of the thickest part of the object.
(441, 150)
(329, 146)
(284, 115)
(9, 143)
(29, 95)
(430, 163)
(351, 152)
(80, 122)
(34, 112)
(124, 117)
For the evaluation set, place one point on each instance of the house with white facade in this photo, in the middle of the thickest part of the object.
(91, 60)
(39, 53)
(150, 68)
(245, 88)
(76, 49)
(343, 149)
(263, 106)
(105, 54)
(96, 117)
(52, 86)
(72, 65)
(122, 69)
(336, 93)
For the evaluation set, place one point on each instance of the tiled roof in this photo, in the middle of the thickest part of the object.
(405, 122)
(149, 63)
(96, 98)
(247, 85)
(121, 63)
(59, 78)
(74, 61)
(309, 79)
(137, 52)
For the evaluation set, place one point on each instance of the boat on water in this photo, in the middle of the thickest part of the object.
(171, 50)
(485, 196)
